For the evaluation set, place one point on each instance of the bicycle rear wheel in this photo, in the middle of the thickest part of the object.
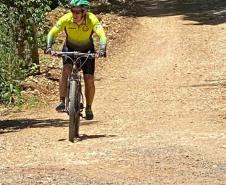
(74, 110)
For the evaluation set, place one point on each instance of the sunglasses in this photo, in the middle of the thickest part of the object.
(77, 11)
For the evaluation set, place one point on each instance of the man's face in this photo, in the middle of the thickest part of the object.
(78, 13)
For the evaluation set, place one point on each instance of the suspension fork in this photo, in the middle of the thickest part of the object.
(77, 78)
(67, 97)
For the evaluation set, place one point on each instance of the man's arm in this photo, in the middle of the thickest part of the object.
(99, 30)
(53, 33)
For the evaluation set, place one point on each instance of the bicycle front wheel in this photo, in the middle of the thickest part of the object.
(74, 110)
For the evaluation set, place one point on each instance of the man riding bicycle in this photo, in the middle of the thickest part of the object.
(79, 26)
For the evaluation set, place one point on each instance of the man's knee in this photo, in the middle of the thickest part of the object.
(66, 69)
(89, 80)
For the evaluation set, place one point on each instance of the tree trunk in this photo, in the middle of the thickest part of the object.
(20, 40)
(33, 45)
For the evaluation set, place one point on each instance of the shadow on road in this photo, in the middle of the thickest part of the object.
(87, 137)
(8, 126)
(88, 122)
(211, 83)
(84, 137)
(210, 12)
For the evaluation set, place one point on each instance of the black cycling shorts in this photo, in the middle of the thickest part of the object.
(89, 65)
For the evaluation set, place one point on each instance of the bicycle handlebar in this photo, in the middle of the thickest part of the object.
(74, 53)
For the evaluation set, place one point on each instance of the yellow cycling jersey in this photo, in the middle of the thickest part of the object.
(78, 36)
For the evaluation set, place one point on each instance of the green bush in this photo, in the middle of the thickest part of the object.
(11, 69)
(22, 32)
(21, 23)
(11, 74)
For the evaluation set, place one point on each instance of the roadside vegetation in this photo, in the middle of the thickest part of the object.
(24, 25)
(21, 35)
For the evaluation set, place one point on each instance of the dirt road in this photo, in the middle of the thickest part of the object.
(159, 115)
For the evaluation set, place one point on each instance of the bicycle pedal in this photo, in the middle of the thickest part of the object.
(65, 110)
(62, 111)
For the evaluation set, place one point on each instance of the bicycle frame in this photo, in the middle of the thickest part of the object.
(75, 57)
(74, 91)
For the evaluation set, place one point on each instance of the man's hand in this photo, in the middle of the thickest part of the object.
(48, 50)
(102, 53)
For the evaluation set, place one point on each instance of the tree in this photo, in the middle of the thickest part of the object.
(24, 18)
(21, 24)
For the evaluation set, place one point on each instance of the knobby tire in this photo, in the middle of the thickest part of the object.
(74, 110)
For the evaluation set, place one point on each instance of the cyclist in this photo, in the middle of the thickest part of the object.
(79, 25)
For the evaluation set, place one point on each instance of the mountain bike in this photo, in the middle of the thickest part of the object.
(74, 100)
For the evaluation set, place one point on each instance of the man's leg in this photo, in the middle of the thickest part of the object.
(66, 71)
(89, 94)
